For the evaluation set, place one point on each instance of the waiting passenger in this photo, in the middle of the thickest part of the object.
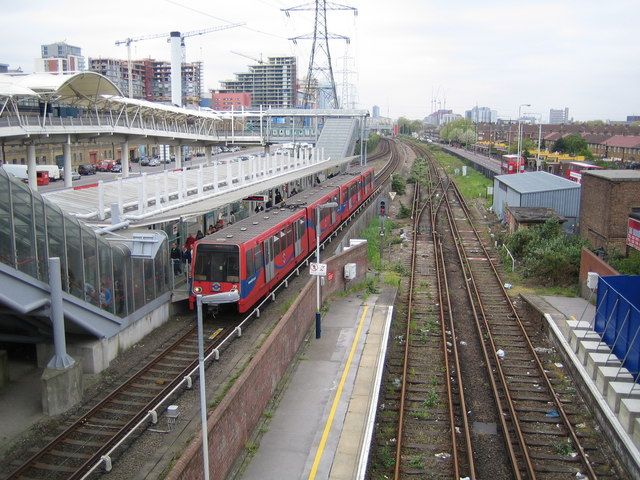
(211, 229)
(199, 235)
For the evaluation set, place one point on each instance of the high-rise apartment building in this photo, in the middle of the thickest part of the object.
(558, 116)
(271, 83)
(151, 79)
(376, 111)
(481, 115)
(60, 57)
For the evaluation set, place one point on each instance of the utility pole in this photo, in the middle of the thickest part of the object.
(320, 58)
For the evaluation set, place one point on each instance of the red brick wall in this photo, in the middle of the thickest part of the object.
(230, 425)
(604, 209)
(590, 262)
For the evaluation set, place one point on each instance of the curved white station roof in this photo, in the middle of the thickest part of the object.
(81, 87)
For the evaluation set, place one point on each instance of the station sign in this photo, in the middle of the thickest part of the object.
(255, 198)
(318, 269)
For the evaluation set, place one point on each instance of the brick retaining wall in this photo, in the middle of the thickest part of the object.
(232, 422)
(590, 262)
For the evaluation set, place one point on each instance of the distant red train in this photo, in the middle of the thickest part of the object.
(243, 262)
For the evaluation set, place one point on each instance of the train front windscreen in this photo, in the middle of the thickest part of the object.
(217, 263)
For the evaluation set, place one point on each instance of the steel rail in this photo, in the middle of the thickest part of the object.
(540, 367)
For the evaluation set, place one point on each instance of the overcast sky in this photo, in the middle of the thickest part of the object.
(581, 54)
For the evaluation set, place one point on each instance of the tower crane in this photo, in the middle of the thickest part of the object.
(175, 63)
(258, 60)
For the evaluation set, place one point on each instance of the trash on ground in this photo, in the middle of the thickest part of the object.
(508, 286)
(552, 414)
(463, 343)
(500, 353)
(443, 456)
(543, 350)
(559, 365)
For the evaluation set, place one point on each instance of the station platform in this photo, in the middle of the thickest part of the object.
(606, 386)
(322, 424)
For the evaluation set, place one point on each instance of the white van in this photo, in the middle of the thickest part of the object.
(53, 171)
(18, 171)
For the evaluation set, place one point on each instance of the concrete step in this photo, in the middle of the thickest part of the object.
(606, 374)
(597, 359)
(590, 346)
(629, 412)
(616, 391)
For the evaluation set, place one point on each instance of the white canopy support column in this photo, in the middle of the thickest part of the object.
(31, 167)
(66, 155)
(124, 158)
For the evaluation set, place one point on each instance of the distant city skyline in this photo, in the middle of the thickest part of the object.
(578, 54)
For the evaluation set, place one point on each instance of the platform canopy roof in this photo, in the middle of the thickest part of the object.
(81, 89)
(156, 108)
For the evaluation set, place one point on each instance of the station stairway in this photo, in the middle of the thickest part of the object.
(338, 137)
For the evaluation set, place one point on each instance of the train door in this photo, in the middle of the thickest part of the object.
(334, 211)
(299, 233)
(269, 269)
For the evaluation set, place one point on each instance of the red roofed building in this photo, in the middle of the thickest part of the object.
(624, 147)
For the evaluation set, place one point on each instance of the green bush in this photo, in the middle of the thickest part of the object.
(398, 184)
(546, 254)
(629, 265)
(405, 212)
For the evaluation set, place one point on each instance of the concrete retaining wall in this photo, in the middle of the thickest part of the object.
(231, 424)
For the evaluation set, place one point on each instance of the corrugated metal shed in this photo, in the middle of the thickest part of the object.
(537, 189)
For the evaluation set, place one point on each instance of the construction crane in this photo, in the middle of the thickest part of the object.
(259, 60)
(169, 36)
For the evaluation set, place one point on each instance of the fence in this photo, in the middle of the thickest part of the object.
(618, 318)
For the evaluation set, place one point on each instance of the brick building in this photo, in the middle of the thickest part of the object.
(226, 100)
(607, 199)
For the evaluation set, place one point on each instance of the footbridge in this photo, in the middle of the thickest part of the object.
(86, 108)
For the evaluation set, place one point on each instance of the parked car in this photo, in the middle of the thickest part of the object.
(105, 166)
(117, 168)
(153, 162)
(75, 175)
(144, 161)
(87, 169)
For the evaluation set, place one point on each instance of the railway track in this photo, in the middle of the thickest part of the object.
(72, 453)
(90, 440)
(466, 393)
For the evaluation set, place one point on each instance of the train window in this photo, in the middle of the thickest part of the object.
(301, 227)
(289, 231)
(217, 263)
(276, 245)
(258, 257)
(283, 240)
(250, 265)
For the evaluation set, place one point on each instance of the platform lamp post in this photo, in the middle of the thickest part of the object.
(203, 401)
(520, 133)
(319, 208)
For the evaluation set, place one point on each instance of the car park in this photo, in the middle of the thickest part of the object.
(87, 169)
(105, 166)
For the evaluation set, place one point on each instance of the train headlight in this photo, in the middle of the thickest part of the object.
(197, 290)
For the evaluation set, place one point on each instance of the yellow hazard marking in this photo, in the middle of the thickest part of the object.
(215, 333)
(336, 400)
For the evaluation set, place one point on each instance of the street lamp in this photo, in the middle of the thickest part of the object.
(520, 134)
(539, 115)
(203, 403)
(318, 210)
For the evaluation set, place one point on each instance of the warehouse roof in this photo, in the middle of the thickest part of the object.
(531, 182)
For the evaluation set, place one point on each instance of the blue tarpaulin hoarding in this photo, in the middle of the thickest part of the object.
(618, 318)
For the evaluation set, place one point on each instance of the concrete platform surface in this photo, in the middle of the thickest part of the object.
(317, 429)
